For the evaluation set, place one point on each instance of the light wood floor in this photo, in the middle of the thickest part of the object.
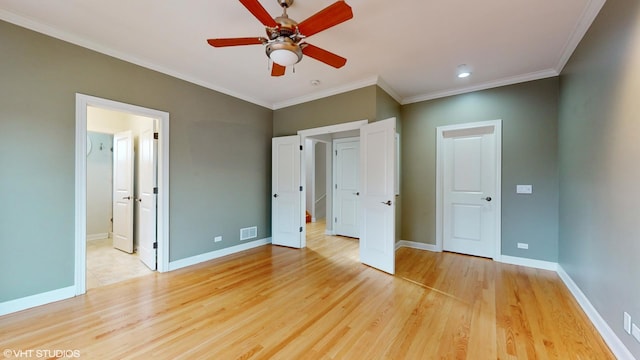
(319, 303)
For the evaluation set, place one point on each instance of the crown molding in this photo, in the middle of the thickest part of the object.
(582, 26)
(329, 92)
(483, 86)
(80, 41)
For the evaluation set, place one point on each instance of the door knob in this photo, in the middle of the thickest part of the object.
(126, 198)
(356, 193)
(275, 195)
(388, 202)
(488, 198)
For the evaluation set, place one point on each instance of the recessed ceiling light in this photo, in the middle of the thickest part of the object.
(463, 71)
(315, 82)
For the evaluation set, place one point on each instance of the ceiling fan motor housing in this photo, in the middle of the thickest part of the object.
(285, 3)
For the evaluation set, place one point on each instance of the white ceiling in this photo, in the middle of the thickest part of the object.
(410, 48)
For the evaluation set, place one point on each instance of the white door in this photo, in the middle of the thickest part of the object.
(147, 213)
(286, 200)
(346, 184)
(377, 194)
(123, 191)
(470, 192)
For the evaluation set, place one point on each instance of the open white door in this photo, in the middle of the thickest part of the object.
(377, 192)
(286, 201)
(123, 191)
(346, 159)
(147, 213)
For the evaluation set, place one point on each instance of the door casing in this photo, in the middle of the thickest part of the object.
(82, 102)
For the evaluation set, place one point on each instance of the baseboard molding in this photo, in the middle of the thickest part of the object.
(613, 341)
(416, 245)
(179, 264)
(533, 263)
(99, 236)
(28, 302)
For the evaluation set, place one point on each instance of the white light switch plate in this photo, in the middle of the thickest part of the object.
(635, 332)
(217, 239)
(524, 189)
(627, 322)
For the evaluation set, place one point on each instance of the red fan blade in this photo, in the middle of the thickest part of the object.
(325, 56)
(236, 41)
(277, 70)
(259, 12)
(330, 16)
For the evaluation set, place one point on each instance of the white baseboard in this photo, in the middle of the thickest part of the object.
(99, 236)
(178, 264)
(613, 341)
(416, 245)
(24, 303)
(533, 263)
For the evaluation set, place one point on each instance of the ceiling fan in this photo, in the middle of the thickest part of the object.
(284, 41)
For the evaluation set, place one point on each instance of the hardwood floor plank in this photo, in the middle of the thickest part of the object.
(319, 303)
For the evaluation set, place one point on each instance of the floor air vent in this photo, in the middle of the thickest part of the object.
(248, 233)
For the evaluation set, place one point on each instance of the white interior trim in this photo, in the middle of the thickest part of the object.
(82, 102)
(439, 173)
(613, 341)
(416, 245)
(28, 302)
(532, 263)
(323, 130)
(193, 260)
(99, 236)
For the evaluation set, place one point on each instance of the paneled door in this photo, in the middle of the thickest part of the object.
(377, 194)
(286, 192)
(470, 191)
(346, 160)
(123, 191)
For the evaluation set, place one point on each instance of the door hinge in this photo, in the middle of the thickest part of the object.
(335, 220)
(336, 186)
(300, 228)
(155, 190)
(155, 136)
(300, 187)
(301, 147)
(336, 152)
(155, 245)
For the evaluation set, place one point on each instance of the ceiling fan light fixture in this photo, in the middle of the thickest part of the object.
(284, 52)
(284, 57)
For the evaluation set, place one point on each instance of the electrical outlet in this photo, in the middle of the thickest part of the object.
(523, 246)
(217, 239)
(627, 322)
(635, 332)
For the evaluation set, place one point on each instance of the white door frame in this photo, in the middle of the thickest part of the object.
(353, 125)
(440, 173)
(82, 102)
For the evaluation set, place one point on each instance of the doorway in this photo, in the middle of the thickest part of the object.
(118, 169)
(160, 231)
(376, 195)
(468, 188)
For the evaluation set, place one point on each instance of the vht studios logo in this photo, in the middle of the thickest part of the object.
(40, 353)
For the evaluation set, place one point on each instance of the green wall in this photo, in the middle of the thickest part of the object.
(350, 106)
(212, 193)
(599, 131)
(529, 156)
